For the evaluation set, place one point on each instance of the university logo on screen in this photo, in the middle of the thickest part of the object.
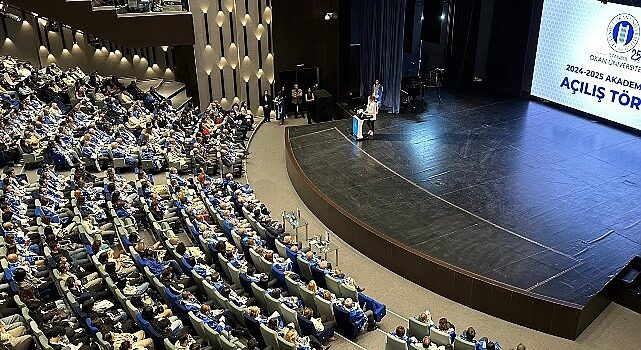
(623, 33)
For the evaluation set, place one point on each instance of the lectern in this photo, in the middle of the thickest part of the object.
(357, 127)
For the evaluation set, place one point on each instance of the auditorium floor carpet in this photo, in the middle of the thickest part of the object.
(615, 327)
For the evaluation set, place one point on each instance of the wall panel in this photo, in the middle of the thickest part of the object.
(237, 52)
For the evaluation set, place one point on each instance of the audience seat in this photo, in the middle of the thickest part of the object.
(169, 345)
(280, 248)
(146, 326)
(255, 258)
(394, 343)
(246, 283)
(324, 308)
(309, 298)
(198, 324)
(292, 286)
(377, 308)
(348, 291)
(259, 295)
(272, 304)
(209, 290)
(307, 329)
(319, 277)
(460, 344)
(440, 338)
(253, 327)
(44, 342)
(333, 285)
(343, 324)
(289, 315)
(270, 337)
(285, 345)
(417, 329)
(237, 312)
(220, 300)
(266, 266)
(280, 276)
(305, 268)
(234, 273)
(228, 344)
(213, 337)
(224, 266)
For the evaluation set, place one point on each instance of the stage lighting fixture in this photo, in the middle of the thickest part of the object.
(330, 15)
(442, 17)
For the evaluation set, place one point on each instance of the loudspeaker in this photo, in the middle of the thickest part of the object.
(408, 39)
(324, 106)
(432, 22)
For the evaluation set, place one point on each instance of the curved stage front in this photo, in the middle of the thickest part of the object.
(500, 206)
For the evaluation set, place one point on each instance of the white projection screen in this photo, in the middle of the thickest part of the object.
(589, 59)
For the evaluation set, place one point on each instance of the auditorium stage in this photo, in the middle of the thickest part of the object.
(510, 206)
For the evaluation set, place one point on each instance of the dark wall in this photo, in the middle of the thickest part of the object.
(509, 44)
(533, 41)
(461, 48)
(303, 36)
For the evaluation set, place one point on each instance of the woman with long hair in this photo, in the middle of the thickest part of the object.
(371, 111)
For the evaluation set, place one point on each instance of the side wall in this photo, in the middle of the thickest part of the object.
(234, 55)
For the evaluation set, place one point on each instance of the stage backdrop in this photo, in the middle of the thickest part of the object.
(589, 59)
(382, 27)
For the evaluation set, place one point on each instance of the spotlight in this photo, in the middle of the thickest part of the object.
(330, 15)
(442, 17)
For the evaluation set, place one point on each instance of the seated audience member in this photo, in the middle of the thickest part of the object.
(428, 345)
(136, 340)
(426, 317)
(469, 335)
(399, 333)
(485, 344)
(325, 330)
(363, 319)
(445, 326)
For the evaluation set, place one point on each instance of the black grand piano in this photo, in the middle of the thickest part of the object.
(413, 87)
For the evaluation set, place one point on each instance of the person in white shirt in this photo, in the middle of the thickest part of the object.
(371, 111)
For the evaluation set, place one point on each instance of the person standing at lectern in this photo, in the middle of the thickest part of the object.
(267, 102)
(371, 111)
(297, 100)
(310, 104)
(377, 91)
